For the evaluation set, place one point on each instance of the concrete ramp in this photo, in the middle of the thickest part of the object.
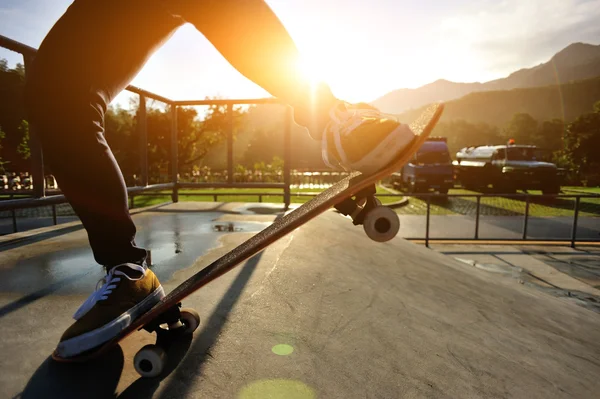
(398, 320)
(327, 313)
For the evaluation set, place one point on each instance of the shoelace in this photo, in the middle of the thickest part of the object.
(109, 283)
(344, 121)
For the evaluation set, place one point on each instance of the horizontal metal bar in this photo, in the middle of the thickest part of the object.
(153, 187)
(210, 194)
(568, 241)
(31, 202)
(234, 185)
(250, 101)
(425, 195)
(16, 46)
(148, 94)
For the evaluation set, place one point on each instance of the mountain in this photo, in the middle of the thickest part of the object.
(578, 61)
(566, 102)
(400, 100)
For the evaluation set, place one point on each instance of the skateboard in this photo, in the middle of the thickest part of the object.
(353, 196)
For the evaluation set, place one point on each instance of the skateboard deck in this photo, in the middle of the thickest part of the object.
(341, 192)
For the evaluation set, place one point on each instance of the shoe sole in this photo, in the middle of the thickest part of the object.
(91, 339)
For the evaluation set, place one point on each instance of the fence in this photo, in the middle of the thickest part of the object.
(528, 199)
(39, 197)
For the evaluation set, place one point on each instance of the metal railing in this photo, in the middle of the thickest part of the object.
(431, 199)
(39, 197)
(528, 199)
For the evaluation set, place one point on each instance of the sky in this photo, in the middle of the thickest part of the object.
(362, 48)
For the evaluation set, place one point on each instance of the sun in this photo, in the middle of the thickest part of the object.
(311, 70)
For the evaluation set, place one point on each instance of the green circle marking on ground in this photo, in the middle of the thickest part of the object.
(277, 389)
(282, 349)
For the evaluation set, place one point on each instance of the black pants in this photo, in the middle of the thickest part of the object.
(92, 53)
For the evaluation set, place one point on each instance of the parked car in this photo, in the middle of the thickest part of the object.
(429, 169)
(507, 168)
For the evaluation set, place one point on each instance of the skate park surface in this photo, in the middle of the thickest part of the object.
(322, 313)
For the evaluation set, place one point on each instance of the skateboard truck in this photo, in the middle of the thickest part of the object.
(169, 326)
(379, 222)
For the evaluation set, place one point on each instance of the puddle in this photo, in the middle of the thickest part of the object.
(231, 227)
(586, 300)
(493, 267)
(176, 240)
(263, 209)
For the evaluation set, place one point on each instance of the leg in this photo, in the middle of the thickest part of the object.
(253, 40)
(84, 62)
(75, 75)
(251, 37)
(85, 168)
(76, 152)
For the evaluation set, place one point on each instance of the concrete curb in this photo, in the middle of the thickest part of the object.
(398, 204)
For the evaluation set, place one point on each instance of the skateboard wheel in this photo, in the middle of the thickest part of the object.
(150, 361)
(191, 319)
(381, 224)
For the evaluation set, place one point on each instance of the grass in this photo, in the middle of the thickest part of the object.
(492, 206)
(249, 195)
(588, 190)
(502, 206)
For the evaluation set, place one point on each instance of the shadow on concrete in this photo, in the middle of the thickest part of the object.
(19, 242)
(97, 379)
(145, 387)
(177, 386)
(34, 296)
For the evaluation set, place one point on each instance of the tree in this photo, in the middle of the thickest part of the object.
(522, 128)
(582, 140)
(2, 136)
(461, 133)
(195, 136)
(12, 114)
(23, 147)
(263, 146)
(20, 70)
(549, 135)
(119, 130)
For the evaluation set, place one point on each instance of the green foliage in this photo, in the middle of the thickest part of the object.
(581, 143)
(12, 114)
(23, 147)
(461, 133)
(264, 145)
(521, 128)
(20, 70)
(195, 137)
(2, 136)
(549, 135)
